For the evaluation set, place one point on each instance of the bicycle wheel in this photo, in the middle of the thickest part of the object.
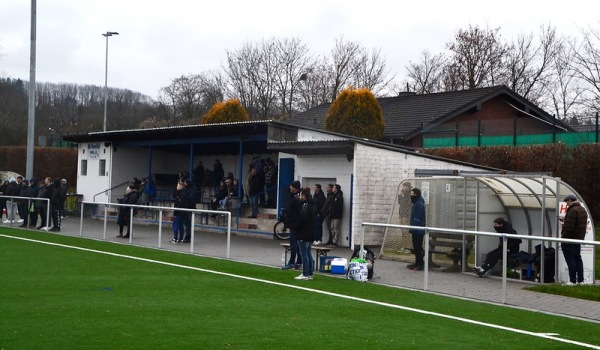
(280, 231)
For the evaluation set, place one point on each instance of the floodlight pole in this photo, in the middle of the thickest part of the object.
(106, 35)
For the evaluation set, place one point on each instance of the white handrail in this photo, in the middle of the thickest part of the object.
(160, 220)
(29, 199)
(457, 232)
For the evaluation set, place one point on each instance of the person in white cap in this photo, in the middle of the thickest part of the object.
(574, 227)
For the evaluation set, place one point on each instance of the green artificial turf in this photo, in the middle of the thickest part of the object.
(57, 297)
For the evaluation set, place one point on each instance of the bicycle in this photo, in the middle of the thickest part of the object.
(279, 229)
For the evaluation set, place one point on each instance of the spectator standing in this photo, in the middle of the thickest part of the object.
(417, 218)
(305, 231)
(326, 211)
(12, 190)
(3, 200)
(34, 190)
(189, 203)
(20, 201)
(491, 259)
(335, 214)
(64, 188)
(291, 214)
(180, 202)
(270, 182)
(124, 216)
(574, 227)
(57, 201)
(23, 203)
(50, 188)
(42, 206)
(319, 202)
(254, 190)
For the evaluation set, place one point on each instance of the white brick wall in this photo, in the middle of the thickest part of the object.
(377, 177)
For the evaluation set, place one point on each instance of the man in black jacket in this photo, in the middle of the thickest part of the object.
(291, 216)
(574, 227)
(305, 232)
(501, 226)
(319, 201)
(57, 201)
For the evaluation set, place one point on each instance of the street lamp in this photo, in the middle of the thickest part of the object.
(107, 34)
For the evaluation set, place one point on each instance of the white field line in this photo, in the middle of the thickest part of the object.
(550, 336)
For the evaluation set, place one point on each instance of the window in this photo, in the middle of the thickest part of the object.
(102, 168)
(84, 167)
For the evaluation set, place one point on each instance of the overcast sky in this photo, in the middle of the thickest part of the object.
(161, 40)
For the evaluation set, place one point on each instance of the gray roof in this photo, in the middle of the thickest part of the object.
(404, 114)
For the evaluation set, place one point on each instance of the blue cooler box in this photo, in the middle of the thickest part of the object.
(338, 266)
(325, 263)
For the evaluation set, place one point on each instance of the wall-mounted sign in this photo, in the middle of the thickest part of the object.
(93, 150)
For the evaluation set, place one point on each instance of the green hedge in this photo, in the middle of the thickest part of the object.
(47, 161)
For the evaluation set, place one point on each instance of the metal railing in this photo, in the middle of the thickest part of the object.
(109, 189)
(160, 220)
(504, 237)
(10, 199)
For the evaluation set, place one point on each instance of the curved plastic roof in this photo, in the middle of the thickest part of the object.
(529, 193)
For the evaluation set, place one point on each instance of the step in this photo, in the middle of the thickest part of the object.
(248, 226)
(267, 216)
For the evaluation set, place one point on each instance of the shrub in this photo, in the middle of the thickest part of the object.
(357, 113)
(226, 112)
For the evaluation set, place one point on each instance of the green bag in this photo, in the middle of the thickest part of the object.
(32, 207)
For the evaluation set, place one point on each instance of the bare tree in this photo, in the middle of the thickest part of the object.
(251, 71)
(562, 88)
(371, 71)
(529, 63)
(344, 56)
(586, 64)
(188, 97)
(316, 84)
(426, 76)
(476, 57)
(292, 68)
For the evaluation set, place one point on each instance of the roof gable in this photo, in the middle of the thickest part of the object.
(405, 113)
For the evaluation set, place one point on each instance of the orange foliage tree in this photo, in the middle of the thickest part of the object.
(356, 112)
(226, 112)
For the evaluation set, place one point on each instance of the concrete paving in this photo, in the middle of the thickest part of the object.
(268, 252)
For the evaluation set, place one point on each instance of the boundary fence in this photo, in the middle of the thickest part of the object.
(160, 210)
(504, 236)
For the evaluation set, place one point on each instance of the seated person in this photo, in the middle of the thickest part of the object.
(501, 226)
(232, 190)
(219, 196)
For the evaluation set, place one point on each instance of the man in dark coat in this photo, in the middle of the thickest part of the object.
(305, 232)
(13, 190)
(124, 216)
(417, 218)
(57, 202)
(574, 227)
(335, 214)
(291, 216)
(319, 201)
(326, 210)
(501, 226)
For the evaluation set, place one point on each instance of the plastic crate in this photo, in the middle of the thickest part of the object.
(325, 262)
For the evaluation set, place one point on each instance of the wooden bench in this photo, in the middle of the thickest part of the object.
(451, 246)
(320, 251)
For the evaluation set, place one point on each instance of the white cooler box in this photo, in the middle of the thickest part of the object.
(339, 265)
